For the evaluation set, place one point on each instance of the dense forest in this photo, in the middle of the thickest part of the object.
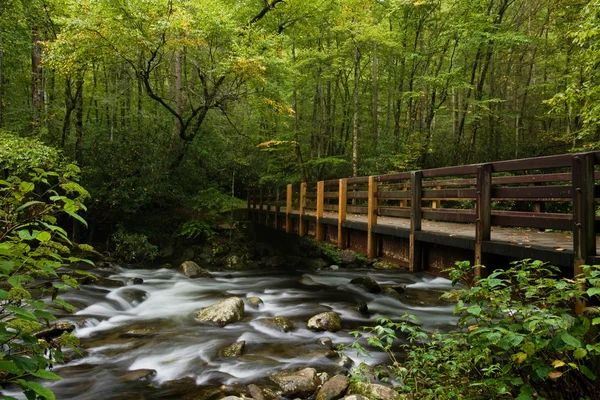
(159, 101)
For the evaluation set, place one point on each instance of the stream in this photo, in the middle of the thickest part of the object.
(151, 326)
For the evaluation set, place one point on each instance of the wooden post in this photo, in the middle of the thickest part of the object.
(301, 223)
(288, 208)
(277, 206)
(416, 187)
(403, 202)
(320, 228)
(483, 211)
(436, 203)
(342, 207)
(372, 218)
(584, 232)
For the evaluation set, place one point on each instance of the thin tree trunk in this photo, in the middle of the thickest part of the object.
(296, 133)
(375, 106)
(178, 94)
(355, 112)
(36, 76)
(79, 119)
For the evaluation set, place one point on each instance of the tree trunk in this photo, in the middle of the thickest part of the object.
(375, 106)
(178, 93)
(1, 81)
(79, 118)
(36, 76)
(355, 111)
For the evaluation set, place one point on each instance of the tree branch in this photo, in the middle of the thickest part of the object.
(268, 7)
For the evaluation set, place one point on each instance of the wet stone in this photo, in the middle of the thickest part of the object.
(139, 375)
(325, 342)
(138, 334)
(256, 392)
(193, 270)
(362, 307)
(281, 324)
(223, 312)
(327, 321)
(255, 302)
(234, 350)
(334, 388)
(368, 283)
(300, 383)
(135, 281)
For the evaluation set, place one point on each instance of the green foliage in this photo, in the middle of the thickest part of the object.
(518, 338)
(327, 249)
(19, 155)
(133, 247)
(32, 246)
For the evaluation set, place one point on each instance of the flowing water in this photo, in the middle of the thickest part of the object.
(151, 326)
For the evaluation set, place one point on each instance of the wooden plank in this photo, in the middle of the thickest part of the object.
(331, 195)
(394, 194)
(402, 176)
(416, 183)
(462, 216)
(584, 232)
(302, 224)
(450, 171)
(450, 194)
(563, 160)
(358, 195)
(394, 212)
(343, 202)
(357, 209)
(483, 210)
(359, 179)
(533, 192)
(288, 208)
(372, 218)
(532, 220)
(320, 228)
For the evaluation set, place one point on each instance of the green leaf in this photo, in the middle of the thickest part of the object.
(42, 373)
(21, 312)
(593, 291)
(579, 353)
(596, 321)
(511, 340)
(474, 310)
(44, 236)
(24, 234)
(26, 187)
(586, 371)
(77, 217)
(570, 340)
(39, 389)
(29, 204)
(10, 367)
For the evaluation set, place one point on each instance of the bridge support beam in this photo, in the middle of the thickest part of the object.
(342, 212)
(301, 223)
(320, 228)
(416, 187)
(483, 211)
(372, 218)
(288, 208)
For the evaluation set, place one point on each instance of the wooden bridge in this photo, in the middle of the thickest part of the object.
(542, 208)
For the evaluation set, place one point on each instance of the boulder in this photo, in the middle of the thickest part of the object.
(390, 292)
(143, 333)
(300, 383)
(334, 267)
(334, 388)
(275, 261)
(355, 397)
(327, 321)
(255, 302)
(97, 280)
(373, 391)
(368, 283)
(234, 350)
(139, 375)
(223, 312)
(193, 270)
(133, 296)
(55, 331)
(166, 252)
(361, 307)
(347, 256)
(278, 323)
(386, 265)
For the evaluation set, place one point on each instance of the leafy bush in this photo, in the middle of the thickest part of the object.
(132, 247)
(518, 338)
(19, 155)
(34, 246)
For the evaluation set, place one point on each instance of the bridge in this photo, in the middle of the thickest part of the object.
(492, 213)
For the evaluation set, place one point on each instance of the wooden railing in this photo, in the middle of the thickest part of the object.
(555, 192)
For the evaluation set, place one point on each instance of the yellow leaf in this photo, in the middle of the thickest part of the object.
(557, 363)
(520, 357)
(473, 327)
(555, 374)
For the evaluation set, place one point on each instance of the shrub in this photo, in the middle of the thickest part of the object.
(518, 337)
(132, 247)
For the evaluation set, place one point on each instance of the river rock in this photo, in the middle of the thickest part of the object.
(255, 302)
(368, 283)
(139, 375)
(361, 307)
(327, 321)
(256, 392)
(334, 388)
(135, 281)
(222, 313)
(347, 256)
(97, 280)
(390, 292)
(278, 323)
(355, 397)
(386, 265)
(143, 333)
(373, 391)
(234, 350)
(274, 261)
(55, 331)
(325, 342)
(300, 383)
(193, 270)
(334, 267)
(233, 398)
(133, 295)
